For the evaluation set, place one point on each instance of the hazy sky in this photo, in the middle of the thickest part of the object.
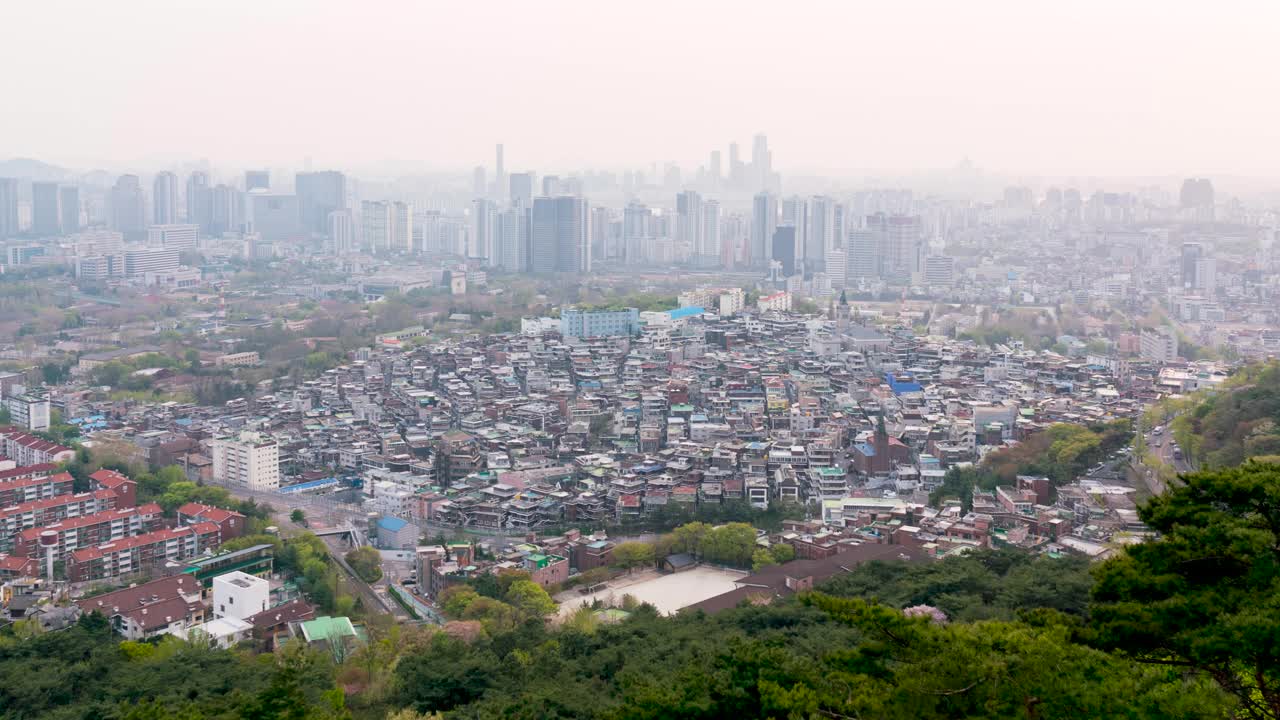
(1110, 87)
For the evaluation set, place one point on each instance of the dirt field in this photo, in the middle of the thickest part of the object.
(668, 593)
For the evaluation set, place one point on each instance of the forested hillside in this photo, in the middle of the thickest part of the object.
(1239, 422)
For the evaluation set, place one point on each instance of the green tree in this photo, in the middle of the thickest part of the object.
(782, 552)
(530, 598)
(762, 558)
(298, 517)
(366, 562)
(1204, 595)
(630, 555)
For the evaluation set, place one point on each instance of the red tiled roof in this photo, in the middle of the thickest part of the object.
(31, 441)
(22, 473)
(55, 501)
(108, 478)
(92, 519)
(93, 553)
(207, 512)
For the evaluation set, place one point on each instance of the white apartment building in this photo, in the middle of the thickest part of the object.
(173, 237)
(1159, 344)
(29, 411)
(250, 459)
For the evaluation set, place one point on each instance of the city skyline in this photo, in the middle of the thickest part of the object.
(1092, 89)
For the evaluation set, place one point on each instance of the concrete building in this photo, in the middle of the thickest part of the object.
(173, 236)
(29, 410)
(240, 595)
(164, 199)
(46, 219)
(140, 260)
(599, 323)
(1158, 344)
(558, 235)
(8, 207)
(249, 459)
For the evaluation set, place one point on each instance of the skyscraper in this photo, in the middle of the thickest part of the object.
(784, 249)
(522, 190)
(164, 199)
(257, 180)
(478, 187)
(200, 201)
(551, 186)
(375, 225)
(482, 222)
(764, 220)
(8, 207)
(1192, 255)
(901, 252)
(69, 207)
(601, 224)
(128, 208)
(499, 178)
(862, 255)
(713, 169)
(709, 237)
(689, 225)
(228, 210)
(761, 162)
(45, 217)
(735, 167)
(401, 226)
(820, 232)
(511, 232)
(319, 194)
(558, 235)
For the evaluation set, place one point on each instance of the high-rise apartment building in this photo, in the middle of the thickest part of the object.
(820, 232)
(387, 225)
(511, 233)
(708, 250)
(764, 221)
(483, 212)
(558, 235)
(250, 460)
(8, 207)
(689, 224)
(1158, 344)
(862, 256)
(164, 199)
(342, 232)
(901, 251)
(46, 218)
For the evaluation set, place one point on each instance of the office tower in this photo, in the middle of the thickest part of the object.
(8, 207)
(939, 271)
(784, 249)
(200, 201)
(558, 235)
(164, 199)
(862, 255)
(228, 210)
(69, 207)
(499, 177)
(1191, 254)
(714, 168)
(689, 224)
(1206, 282)
(551, 186)
(510, 233)
(273, 216)
(482, 221)
(341, 232)
(1196, 193)
(764, 220)
(795, 213)
(45, 216)
(128, 208)
(478, 186)
(522, 190)
(735, 166)
(819, 234)
(319, 194)
(257, 180)
(173, 236)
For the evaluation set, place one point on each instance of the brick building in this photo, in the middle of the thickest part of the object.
(95, 529)
(142, 552)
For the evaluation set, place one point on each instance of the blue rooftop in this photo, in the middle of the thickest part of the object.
(392, 524)
(685, 312)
